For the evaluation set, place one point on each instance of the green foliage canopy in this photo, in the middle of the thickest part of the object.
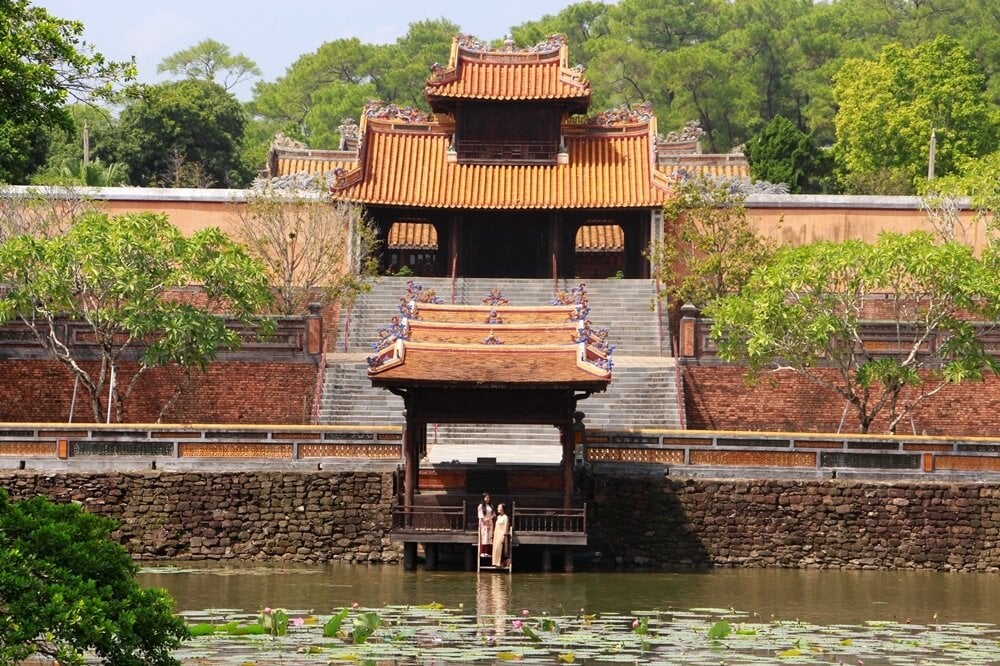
(782, 153)
(66, 588)
(804, 312)
(190, 122)
(888, 108)
(116, 275)
(208, 60)
(711, 248)
(322, 88)
(43, 63)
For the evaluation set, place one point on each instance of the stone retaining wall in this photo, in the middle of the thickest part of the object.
(657, 521)
(637, 520)
(301, 516)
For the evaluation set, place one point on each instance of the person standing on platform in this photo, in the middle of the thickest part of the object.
(486, 516)
(500, 536)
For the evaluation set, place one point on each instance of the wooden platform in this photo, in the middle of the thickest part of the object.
(433, 526)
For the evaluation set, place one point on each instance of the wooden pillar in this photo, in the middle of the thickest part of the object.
(410, 555)
(568, 560)
(546, 559)
(431, 556)
(568, 439)
(471, 555)
(555, 249)
(410, 462)
(454, 243)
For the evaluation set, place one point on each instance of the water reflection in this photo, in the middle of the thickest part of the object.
(823, 597)
(492, 603)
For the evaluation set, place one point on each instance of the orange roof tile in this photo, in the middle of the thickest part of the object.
(412, 235)
(608, 167)
(729, 165)
(477, 72)
(483, 365)
(492, 344)
(509, 314)
(600, 238)
(288, 161)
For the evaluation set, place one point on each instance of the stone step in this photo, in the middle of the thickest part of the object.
(623, 306)
(643, 394)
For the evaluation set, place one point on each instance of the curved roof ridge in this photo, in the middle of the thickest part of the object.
(478, 71)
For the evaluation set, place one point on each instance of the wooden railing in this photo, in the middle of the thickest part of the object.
(549, 520)
(430, 518)
(824, 454)
(291, 335)
(879, 338)
(143, 445)
(542, 152)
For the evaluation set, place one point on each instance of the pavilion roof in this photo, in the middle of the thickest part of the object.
(609, 163)
(492, 345)
(478, 72)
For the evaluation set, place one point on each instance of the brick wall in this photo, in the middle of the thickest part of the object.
(228, 392)
(718, 398)
(652, 521)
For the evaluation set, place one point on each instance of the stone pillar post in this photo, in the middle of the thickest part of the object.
(314, 330)
(689, 331)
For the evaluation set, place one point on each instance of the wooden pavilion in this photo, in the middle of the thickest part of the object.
(489, 363)
(507, 176)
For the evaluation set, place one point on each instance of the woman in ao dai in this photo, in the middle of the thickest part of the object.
(500, 535)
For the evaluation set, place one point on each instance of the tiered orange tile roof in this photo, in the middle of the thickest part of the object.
(406, 165)
(476, 71)
(492, 345)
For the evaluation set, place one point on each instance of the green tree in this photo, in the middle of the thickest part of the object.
(782, 153)
(43, 63)
(210, 60)
(320, 89)
(804, 312)
(313, 248)
(317, 92)
(888, 108)
(66, 588)
(583, 24)
(400, 70)
(710, 249)
(116, 276)
(194, 122)
(704, 85)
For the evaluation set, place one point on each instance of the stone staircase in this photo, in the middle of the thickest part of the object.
(643, 393)
(623, 306)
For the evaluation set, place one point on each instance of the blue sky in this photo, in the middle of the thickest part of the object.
(275, 33)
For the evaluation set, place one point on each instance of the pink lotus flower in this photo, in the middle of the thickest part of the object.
(298, 622)
(517, 624)
(355, 605)
(267, 611)
(635, 623)
(525, 613)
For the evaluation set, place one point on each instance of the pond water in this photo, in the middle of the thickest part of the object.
(818, 596)
(384, 615)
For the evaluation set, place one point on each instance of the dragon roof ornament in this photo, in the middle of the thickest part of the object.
(407, 114)
(550, 44)
(632, 114)
(690, 132)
